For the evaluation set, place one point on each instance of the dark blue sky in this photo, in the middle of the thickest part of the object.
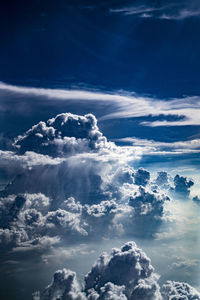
(146, 47)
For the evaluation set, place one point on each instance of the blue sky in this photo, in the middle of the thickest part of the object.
(99, 143)
(149, 48)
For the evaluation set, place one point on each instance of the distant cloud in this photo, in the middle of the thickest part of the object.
(134, 10)
(179, 290)
(173, 11)
(181, 14)
(164, 148)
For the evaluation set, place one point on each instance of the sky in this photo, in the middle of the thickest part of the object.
(99, 150)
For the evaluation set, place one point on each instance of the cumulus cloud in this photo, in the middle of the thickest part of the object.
(128, 266)
(162, 179)
(63, 286)
(179, 290)
(196, 199)
(142, 177)
(147, 202)
(148, 211)
(182, 185)
(63, 135)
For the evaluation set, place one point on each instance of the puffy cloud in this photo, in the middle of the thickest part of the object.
(142, 177)
(172, 290)
(64, 286)
(129, 267)
(182, 185)
(109, 291)
(196, 199)
(148, 211)
(63, 135)
(28, 220)
(148, 203)
(162, 178)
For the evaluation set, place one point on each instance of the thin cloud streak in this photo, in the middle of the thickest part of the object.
(125, 105)
(163, 148)
(173, 11)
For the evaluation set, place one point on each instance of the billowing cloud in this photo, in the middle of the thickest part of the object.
(128, 266)
(182, 185)
(162, 179)
(142, 177)
(63, 135)
(64, 286)
(179, 290)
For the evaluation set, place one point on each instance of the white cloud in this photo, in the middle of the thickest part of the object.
(125, 105)
(152, 147)
(173, 11)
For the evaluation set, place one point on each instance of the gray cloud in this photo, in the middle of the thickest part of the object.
(63, 286)
(128, 266)
(179, 290)
(182, 185)
(142, 177)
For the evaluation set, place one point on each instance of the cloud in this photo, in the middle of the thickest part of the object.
(152, 147)
(128, 266)
(182, 185)
(63, 286)
(63, 135)
(171, 11)
(140, 10)
(83, 194)
(162, 179)
(142, 177)
(185, 111)
(179, 290)
(181, 14)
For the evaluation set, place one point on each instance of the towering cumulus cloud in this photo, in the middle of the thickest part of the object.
(129, 267)
(62, 135)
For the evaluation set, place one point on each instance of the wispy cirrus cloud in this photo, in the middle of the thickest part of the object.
(171, 11)
(171, 112)
(162, 148)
